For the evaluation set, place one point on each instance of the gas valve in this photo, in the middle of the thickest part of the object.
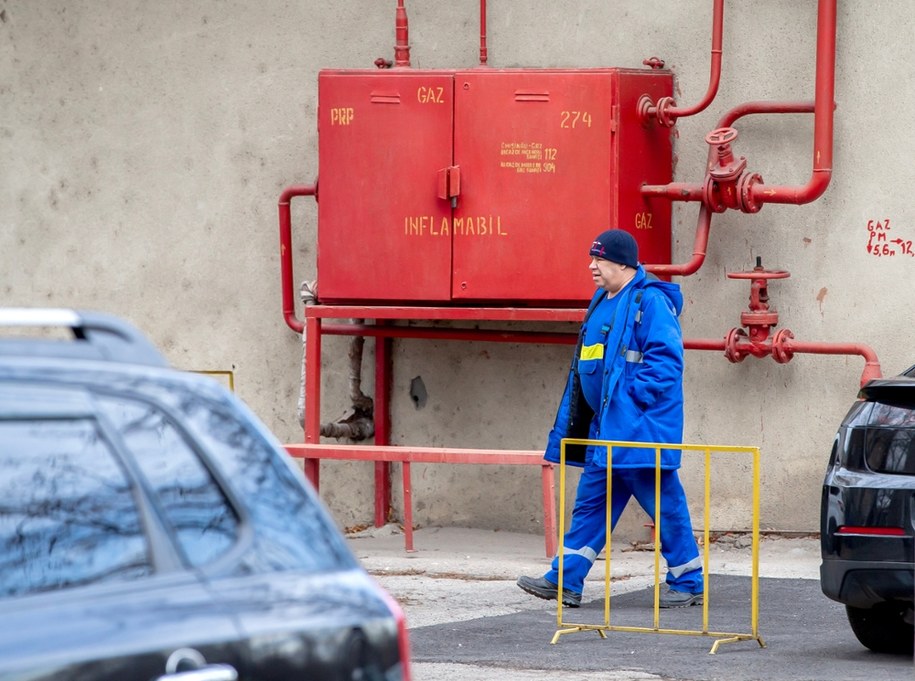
(727, 184)
(758, 321)
(720, 191)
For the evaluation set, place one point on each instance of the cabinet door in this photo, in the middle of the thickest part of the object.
(385, 140)
(537, 182)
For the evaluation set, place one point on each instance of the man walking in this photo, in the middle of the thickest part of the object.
(625, 384)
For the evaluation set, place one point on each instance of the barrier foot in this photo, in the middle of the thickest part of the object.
(574, 630)
(735, 639)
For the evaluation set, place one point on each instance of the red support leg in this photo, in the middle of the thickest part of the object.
(407, 507)
(549, 509)
(313, 394)
(382, 415)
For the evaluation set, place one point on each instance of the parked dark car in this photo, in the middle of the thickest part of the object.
(867, 514)
(151, 528)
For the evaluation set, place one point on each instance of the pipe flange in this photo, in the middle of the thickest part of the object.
(781, 350)
(732, 351)
(745, 192)
(665, 104)
(644, 109)
(711, 196)
(750, 318)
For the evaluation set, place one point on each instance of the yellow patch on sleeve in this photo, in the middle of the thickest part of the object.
(592, 351)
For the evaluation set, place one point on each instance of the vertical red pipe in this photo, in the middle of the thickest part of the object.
(824, 105)
(483, 51)
(292, 321)
(402, 35)
(715, 71)
(700, 247)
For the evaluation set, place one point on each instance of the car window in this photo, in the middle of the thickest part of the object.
(293, 532)
(67, 511)
(890, 440)
(204, 522)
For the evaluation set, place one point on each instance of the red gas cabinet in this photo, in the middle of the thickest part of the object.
(483, 186)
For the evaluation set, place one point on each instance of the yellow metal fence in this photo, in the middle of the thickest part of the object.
(566, 627)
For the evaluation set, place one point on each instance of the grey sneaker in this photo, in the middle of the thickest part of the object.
(541, 588)
(672, 598)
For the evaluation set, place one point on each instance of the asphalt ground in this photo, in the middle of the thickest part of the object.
(468, 620)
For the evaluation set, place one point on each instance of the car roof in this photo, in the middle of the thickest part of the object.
(86, 335)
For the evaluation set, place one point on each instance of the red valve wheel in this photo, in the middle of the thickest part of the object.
(721, 136)
(760, 274)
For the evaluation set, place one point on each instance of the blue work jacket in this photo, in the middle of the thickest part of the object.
(642, 386)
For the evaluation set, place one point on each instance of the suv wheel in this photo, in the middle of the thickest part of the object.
(882, 628)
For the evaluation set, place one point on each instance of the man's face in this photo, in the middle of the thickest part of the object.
(610, 276)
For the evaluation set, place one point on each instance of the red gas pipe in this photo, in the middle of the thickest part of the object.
(666, 110)
(700, 246)
(484, 54)
(402, 35)
(292, 321)
(747, 192)
(759, 320)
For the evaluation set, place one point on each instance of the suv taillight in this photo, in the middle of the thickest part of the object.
(873, 531)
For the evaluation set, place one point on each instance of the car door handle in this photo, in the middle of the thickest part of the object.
(211, 672)
(200, 670)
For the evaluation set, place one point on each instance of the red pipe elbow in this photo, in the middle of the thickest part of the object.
(700, 246)
(285, 218)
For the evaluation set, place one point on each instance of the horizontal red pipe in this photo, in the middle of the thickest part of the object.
(411, 454)
(675, 191)
(704, 344)
(292, 321)
(871, 362)
(498, 314)
(449, 334)
(763, 107)
(815, 348)
(690, 191)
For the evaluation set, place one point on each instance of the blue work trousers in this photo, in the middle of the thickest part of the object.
(587, 533)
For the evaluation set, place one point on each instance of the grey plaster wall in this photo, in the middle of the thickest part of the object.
(144, 146)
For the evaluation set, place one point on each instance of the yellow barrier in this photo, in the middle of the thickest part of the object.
(723, 637)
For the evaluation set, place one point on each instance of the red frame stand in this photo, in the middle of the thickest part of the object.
(382, 453)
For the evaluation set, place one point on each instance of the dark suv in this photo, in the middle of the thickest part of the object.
(867, 516)
(152, 528)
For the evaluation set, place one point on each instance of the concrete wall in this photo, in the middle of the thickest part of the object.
(144, 146)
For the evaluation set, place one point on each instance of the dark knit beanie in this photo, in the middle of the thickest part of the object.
(616, 245)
